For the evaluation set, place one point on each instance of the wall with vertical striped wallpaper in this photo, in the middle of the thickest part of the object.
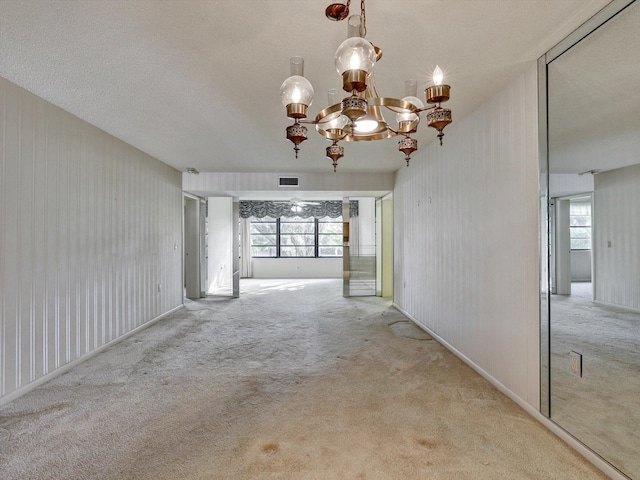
(466, 243)
(616, 252)
(90, 239)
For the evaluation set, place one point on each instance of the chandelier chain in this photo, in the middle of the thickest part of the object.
(364, 19)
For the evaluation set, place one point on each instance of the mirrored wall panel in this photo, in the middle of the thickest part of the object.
(593, 102)
(362, 248)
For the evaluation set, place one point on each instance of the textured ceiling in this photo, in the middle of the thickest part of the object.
(594, 99)
(196, 82)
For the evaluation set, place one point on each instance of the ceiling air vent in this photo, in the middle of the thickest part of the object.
(288, 181)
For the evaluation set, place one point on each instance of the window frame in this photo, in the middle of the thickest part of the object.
(573, 228)
(303, 221)
(278, 246)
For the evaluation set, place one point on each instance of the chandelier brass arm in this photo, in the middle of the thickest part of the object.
(350, 134)
(393, 104)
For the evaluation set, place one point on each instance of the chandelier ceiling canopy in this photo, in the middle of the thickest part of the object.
(359, 116)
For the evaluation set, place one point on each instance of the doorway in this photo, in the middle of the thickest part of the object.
(571, 259)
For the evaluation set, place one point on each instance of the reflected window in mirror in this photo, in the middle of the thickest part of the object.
(580, 224)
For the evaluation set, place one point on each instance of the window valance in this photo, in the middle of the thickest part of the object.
(276, 209)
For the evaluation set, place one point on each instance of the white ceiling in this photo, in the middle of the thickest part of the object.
(594, 99)
(195, 83)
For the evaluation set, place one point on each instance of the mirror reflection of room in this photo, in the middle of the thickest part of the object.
(594, 245)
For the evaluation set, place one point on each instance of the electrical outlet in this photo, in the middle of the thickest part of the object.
(576, 363)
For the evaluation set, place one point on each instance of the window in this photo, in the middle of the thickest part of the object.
(329, 237)
(296, 237)
(264, 237)
(580, 225)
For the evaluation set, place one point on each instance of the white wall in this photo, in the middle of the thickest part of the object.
(231, 183)
(220, 249)
(387, 247)
(616, 219)
(192, 261)
(566, 184)
(297, 267)
(466, 238)
(580, 265)
(363, 227)
(562, 250)
(90, 239)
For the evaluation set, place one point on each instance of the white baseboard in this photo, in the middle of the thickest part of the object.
(582, 449)
(613, 305)
(68, 366)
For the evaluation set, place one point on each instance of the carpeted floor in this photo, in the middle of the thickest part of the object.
(601, 408)
(291, 381)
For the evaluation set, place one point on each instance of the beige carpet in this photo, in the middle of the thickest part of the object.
(601, 408)
(291, 381)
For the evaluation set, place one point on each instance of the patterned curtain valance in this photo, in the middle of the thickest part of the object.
(274, 209)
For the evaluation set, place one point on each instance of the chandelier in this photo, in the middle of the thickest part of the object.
(358, 117)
